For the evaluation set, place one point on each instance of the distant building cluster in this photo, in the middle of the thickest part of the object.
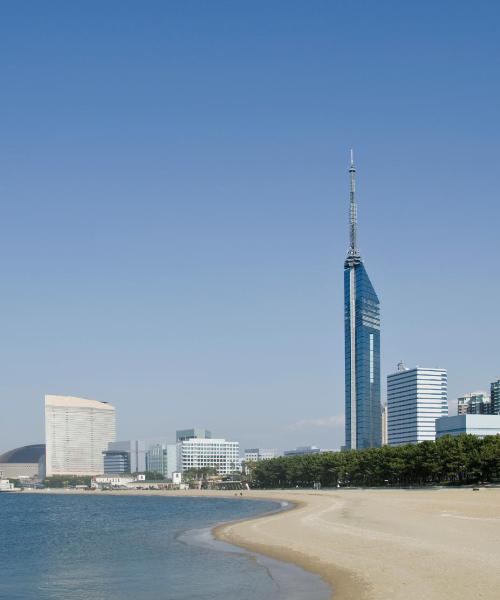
(80, 440)
(417, 408)
(417, 398)
(476, 403)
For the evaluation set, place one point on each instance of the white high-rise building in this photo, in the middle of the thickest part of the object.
(200, 453)
(415, 399)
(77, 431)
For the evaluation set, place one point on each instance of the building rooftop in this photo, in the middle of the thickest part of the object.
(74, 401)
(24, 454)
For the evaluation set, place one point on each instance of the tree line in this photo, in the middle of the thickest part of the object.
(460, 459)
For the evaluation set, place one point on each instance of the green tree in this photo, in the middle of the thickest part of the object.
(456, 460)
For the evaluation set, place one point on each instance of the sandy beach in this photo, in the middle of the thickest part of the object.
(391, 544)
(430, 544)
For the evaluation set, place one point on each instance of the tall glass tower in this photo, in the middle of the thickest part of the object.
(363, 420)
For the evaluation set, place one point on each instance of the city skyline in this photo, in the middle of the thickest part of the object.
(174, 212)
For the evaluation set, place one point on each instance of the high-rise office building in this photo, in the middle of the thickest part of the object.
(477, 403)
(363, 423)
(77, 432)
(415, 399)
(495, 397)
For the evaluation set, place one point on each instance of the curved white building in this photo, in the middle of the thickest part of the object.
(77, 431)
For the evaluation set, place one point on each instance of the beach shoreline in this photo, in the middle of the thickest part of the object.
(374, 544)
(344, 584)
(371, 544)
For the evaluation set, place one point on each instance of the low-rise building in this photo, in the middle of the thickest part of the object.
(301, 450)
(480, 425)
(257, 454)
(111, 480)
(6, 485)
(27, 461)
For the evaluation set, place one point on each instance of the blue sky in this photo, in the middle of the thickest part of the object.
(174, 195)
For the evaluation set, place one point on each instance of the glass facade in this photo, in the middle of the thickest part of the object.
(495, 397)
(135, 451)
(181, 435)
(156, 460)
(363, 417)
(116, 461)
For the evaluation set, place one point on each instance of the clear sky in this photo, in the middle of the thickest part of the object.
(174, 206)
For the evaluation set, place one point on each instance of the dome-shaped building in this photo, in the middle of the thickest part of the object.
(26, 461)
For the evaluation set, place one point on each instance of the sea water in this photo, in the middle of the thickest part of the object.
(115, 547)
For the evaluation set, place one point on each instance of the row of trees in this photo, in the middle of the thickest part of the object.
(449, 460)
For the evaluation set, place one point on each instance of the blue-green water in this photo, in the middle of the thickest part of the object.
(105, 547)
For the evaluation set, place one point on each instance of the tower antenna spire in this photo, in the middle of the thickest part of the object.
(353, 253)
